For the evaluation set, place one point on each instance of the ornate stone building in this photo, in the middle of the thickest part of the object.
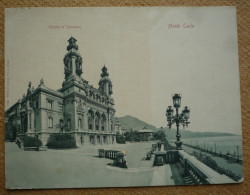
(119, 128)
(84, 111)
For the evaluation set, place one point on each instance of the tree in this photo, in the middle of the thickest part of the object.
(159, 135)
(120, 139)
(130, 136)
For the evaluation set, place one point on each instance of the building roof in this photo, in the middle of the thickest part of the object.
(145, 131)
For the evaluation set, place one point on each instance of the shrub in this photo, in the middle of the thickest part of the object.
(61, 140)
(130, 136)
(29, 141)
(120, 139)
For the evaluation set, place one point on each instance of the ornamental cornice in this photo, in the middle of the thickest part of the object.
(72, 53)
(48, 91)
(88, 100)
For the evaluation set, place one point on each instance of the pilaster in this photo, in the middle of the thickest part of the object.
(85, 124)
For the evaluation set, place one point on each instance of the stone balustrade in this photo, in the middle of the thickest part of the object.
(197, 171)
(201, 172)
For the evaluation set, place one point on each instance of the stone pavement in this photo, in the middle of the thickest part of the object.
(162, 176)
(81, 168)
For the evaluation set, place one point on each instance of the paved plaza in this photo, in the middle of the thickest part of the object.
(77, 168)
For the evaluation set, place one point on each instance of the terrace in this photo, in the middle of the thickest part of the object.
(81, 167)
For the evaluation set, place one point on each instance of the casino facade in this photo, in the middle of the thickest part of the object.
(81, 109)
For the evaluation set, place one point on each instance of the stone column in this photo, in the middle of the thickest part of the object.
(95, 139)
(81, 125)
(75, 116)
(106, 125)
(101, 139)
(113, 127)
(28, 121)
(109, 139)
(94, 123)
(85, 118)
(73, 65)
(32, 117)
(108, 122)
(100, 125)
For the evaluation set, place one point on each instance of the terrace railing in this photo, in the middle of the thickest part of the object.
(200, 172)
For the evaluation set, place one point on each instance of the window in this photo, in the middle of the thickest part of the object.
(69, 124)
(97, 120)
(60, 108)
(103, 122)
(36, 104)
(50, 122)
(90, 119)
(50, 105)
(79, 123)
(97, 123)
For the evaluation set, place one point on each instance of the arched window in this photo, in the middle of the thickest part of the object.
(79, 123)
(97, 121)
(98, 139)
(70, 65)
(103, 122)
(90, 119)
(50, 122)
(77, 64)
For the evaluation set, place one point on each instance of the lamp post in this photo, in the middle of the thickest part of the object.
(178, 118)
(162, 134)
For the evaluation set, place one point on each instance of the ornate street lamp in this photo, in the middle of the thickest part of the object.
(178, 118)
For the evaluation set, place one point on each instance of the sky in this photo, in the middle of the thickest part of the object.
(148, 60)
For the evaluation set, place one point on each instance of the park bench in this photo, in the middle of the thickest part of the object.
(101, 153)
(149, 155)
(119, 160)
(42, 148)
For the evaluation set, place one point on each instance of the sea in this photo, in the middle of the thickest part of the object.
(223, 144)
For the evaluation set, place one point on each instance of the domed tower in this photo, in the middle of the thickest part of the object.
(72, 61)
(105, 84)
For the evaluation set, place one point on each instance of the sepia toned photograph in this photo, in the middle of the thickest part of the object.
(121, 97)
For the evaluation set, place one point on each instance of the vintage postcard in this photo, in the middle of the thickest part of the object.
(121, 97)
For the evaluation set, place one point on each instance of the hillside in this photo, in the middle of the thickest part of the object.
(136, 124)
(186, 134)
